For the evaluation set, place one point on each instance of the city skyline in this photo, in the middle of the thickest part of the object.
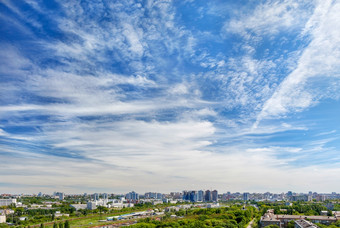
(164, 95)
(181, 193)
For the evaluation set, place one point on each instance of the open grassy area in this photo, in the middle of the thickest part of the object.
(88, 221)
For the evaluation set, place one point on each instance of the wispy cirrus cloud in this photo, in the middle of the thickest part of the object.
(270, 18)
(305, 86)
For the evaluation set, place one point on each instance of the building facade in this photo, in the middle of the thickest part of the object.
(2, 218)
(214, 195)
(246, 196)
(7, 202)
(269, 218)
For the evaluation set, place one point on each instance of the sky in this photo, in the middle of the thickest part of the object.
(115, 96)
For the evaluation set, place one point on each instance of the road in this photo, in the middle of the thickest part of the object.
(250, 223)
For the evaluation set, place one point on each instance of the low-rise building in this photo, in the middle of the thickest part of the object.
(336, 214)
(301, 223)
(326, 220)
(7, 202)
(213, 205)
(324, 213)
(2, 218)
(79, 206)
(6, 211)
(172, 208)
(58, 214)
(157, 202)
(269, 218)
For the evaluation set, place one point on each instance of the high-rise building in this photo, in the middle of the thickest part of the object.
(91, 205)
(207, 196)
(193, 196)
(61, 196)
(200, 196)
(185, 195)
(214, 196)
(246, 196)
(95, 196)
(190, 196)
(159, 196)
(105, 196)
(176, 195)
(132, 196)
(153, 195)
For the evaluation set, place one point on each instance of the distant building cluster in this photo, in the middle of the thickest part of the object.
(132, 196)
(93, 201)
(153, 195)
(57, 195)
(200, 196)
(289, 196)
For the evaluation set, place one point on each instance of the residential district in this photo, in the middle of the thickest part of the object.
(189, 208)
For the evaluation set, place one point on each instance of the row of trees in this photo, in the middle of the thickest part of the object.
(233, 217)
(60, 225)
(297, 208)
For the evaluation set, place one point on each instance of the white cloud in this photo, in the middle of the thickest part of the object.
(134, 39)
(150, 126)
(13, 63)
(179, 89)
(318, 61)
(269, 18)
(2, 132)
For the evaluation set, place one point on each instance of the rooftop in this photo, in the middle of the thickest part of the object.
(305, 224)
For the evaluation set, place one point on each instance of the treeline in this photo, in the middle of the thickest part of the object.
(38, 215)
(65, 224)
(298, 208)
(233, 217)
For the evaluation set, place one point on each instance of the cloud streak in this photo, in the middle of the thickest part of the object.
(303, 87)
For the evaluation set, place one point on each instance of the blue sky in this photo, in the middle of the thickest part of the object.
(114, 96)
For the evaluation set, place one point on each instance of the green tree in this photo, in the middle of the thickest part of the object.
(67, 224)
(100, 208)
(144, 225)
(41, 225)
(55, 225)
(61, 225)
(272, 226)
(180, 213)
(291, 224)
